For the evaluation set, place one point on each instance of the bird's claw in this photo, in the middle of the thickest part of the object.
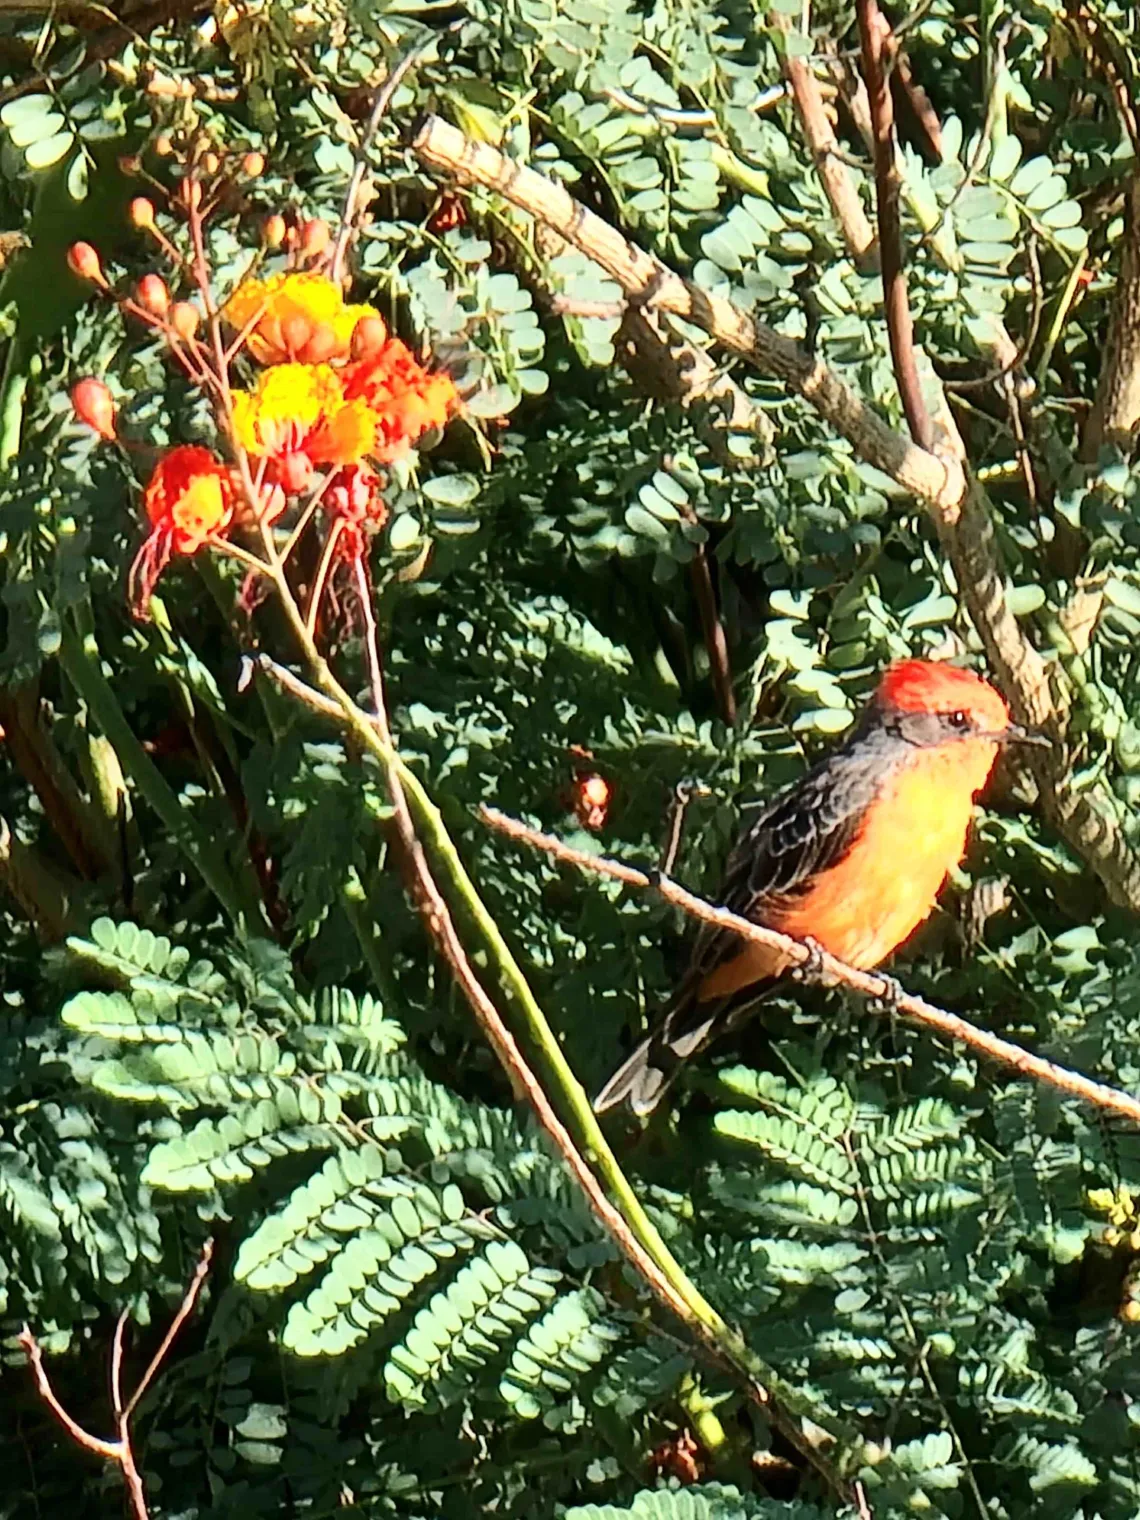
(890, 996)
(810, 969)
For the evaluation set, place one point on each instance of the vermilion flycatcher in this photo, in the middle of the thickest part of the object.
(851, 858)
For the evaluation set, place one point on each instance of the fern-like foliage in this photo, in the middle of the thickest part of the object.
(435, 1233)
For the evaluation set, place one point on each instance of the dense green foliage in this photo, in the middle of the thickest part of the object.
(411, 1310)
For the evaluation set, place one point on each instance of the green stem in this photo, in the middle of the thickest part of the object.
(80, 660)
(589, 1135)
(13, 388)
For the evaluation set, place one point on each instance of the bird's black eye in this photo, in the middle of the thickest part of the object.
(959, 720)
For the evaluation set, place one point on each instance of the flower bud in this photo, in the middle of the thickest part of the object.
(210, 163)
(130, 164)
(368, 337)
(253, 165)
(163, 145)
(315, 237)
(184, 319)
(296, 331)
(153, 295)
(295, 471)
(93, 405)
(84, 261)
(322, 344)
(273, 231)
(141, 212)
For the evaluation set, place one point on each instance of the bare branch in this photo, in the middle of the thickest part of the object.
(648, 282)
(31, 1348)
(872, 32)
(838, 186)
(185, 1309)
(870, 984)
(119, 1451)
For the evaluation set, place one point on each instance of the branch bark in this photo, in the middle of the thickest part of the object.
(647, 282)
(1116, 408)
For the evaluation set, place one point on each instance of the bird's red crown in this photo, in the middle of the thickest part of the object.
(935, 686)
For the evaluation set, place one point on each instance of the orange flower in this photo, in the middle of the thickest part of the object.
(300, 410)
(295, 317)
(188, 500)
(407, 400)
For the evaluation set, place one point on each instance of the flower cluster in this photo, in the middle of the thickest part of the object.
(336, 397)
(339, 388)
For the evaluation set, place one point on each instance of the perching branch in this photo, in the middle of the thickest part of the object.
(120, 1450)
(869, 983)
(896, 307)
(956, 504)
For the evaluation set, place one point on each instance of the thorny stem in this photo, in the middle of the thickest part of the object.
(120, 1451)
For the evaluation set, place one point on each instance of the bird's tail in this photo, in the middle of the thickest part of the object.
(644, 1077)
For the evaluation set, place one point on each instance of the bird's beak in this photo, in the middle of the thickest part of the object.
(1016, 734)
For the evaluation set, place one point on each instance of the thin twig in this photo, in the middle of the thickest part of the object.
(117, 1365)
(119, 1451)
(185, 1309)
(896, 307)
(351, 209)
(712, 627)
(870, 984)
(31, 1348)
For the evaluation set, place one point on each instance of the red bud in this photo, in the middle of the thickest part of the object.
(84, 261)
(94, 405)
(184, 319)
(295, 471)
(368, 337)
(315, 238)
(253, 165)
(153, 295)
(273, 232)
(141, 212)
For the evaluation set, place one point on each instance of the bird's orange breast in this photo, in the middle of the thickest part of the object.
(865, 906)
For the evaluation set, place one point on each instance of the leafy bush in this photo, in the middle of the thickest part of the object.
(225, 1017)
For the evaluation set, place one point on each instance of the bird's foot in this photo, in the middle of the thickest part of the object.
(811, 968)
(891, 995)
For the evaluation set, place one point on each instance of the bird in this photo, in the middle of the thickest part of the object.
(849, 859)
